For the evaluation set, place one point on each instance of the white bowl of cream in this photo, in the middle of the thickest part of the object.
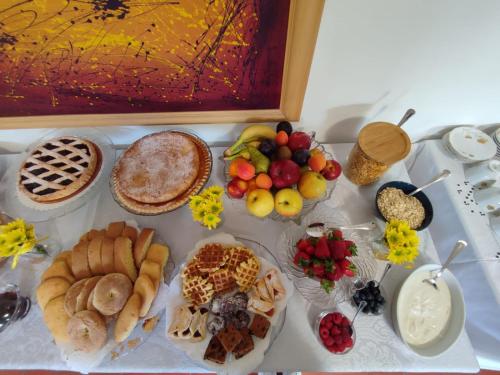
(429, 321)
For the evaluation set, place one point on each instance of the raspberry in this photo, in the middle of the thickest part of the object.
(345, 322)
(329, 325)
(334, 348)
(344, 331)
(329, 341)
(337, 318)
(341, 348)
(348, 343)
(337, 339)
(335, 330)
(324, 333)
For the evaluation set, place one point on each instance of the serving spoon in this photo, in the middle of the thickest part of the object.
(445, 173)
(320, 229)
(459, 246)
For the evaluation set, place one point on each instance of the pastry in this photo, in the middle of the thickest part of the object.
(246, 273)
(229, 337)
(72, 295)
(198, 290)
(246, 344)
(124, 261)
(222, 280)
(94, 256)
(215, 352)
(107, 255)
(130, 232)
(58, 269)
(153, 270)
(50, 289)
(189, 323)
(115, 229)
(58, 169)
(259, 327)
(64, 256)
(274, 285)
(142, 245)
(216, 324)
(211, 257)
(80, 261)
(111, 293)
(159, 254)
(56, 319)
(87, 331)
(128, 318)
(237, 255)
(158, 167)
(146, 289)
(83, 296)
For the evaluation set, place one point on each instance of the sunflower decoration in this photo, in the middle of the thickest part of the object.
(16, 239)
(402, 243)
(207, 207)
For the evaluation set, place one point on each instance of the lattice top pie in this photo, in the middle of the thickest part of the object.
(158, 167)
(58, 169)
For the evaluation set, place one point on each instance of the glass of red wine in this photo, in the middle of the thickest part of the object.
(13, 306)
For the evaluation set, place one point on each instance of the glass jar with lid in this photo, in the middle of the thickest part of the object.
(379, 145)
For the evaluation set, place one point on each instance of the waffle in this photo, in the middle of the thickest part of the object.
(211, 257)
(222, 280)
(190, 270)
(246, 273)
(58, 169)
(238, 255)
(197, 290)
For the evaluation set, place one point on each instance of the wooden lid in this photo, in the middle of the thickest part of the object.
(384, 142)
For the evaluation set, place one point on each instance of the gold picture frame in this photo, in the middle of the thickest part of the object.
(303, 25)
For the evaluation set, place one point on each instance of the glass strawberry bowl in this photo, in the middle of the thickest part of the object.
(238, 189)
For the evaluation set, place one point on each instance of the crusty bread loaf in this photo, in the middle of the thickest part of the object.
(115, 229)
(80, 261)
(58, 269)
(145, 287)
(50, 289)
(142, 245)
(107, 255)
(128, 318)
(124, 261)
(94, 255)
(159, 254)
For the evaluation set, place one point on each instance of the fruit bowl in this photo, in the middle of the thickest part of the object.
(311, 288)
(339, 340)
(275, 182)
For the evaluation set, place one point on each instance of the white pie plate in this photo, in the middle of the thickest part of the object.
(196, 351)
(471, 144)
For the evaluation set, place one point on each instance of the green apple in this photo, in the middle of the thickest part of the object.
(312, 185)
(260, 202)
(288, 202)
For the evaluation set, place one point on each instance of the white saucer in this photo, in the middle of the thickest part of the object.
(471, 144)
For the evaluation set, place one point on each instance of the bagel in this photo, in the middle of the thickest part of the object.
(87, 331)
(50, 289)
(111, 293)
(146, 289)
(83, 296)
(71, 296)
(128, 318)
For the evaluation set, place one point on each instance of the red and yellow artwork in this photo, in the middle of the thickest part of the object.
(132, 56)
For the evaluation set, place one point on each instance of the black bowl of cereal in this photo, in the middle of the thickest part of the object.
(392, 202)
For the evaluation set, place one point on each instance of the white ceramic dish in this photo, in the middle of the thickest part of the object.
(455, 324)
(472, 144)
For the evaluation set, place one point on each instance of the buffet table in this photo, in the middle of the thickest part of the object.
(459, 216)
(378, 348)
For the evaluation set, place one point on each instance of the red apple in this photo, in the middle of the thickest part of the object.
(332, 170)
(237, 187)
(284, 173)
(299, 141)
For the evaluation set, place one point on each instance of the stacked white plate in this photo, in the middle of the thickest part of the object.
(470, 145)
(496, 138)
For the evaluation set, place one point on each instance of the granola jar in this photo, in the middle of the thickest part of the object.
(379, 145)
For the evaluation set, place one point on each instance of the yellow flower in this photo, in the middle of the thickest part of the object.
(404, 229)
(16, 238)
(17, 224)
(213, 206)
(413, 240)
(195, 201)
(393, 238)
(198, 215)
(211, 221)
(214, 191)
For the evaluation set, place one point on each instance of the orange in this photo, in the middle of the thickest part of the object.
(245, 170)
(263, 181)
(281, 138)
(233, 167)
(317, 162)
(252, 185)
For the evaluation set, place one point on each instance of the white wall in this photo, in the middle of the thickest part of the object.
(375, 59)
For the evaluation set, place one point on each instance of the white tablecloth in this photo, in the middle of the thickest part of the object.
(457, 216)
(377, 348)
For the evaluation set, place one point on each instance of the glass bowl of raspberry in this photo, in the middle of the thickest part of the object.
(335, 332)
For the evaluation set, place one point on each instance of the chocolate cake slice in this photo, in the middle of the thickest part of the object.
(260, 325)
(246, 344)
(215, 351)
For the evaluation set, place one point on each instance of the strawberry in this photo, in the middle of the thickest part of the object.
(302, 259)
(302, 244)
(322, 251)
(308, 271)
(351, 249)
(338, 274)
(327, 285)
(349, 273)
(310, 249)
(343, 264)
(336, 234)
(337, 249)
(318, 269)
(330, 276)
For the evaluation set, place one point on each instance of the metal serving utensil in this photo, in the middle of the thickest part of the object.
(459, 246)
(320, 229)
(445, 173)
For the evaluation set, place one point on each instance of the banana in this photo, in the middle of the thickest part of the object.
(259, 160)
(255, 144)
(243, 153)
(250, 134)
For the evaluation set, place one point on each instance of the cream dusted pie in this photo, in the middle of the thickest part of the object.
(58, 169)
(158, 167)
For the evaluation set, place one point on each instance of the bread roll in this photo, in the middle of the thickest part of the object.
(124, 261)
(107, 255)
(64, 256)
(50, 289)
(153, 270)
(94, 233)
(83, 296)
(94, 255)
(130, 232)
(159, 254)
(146, 289)
(142, 245)
(72, 295)
(128, 318)
(56, 319)
(80, 261)
(58, 269)
(115, 229)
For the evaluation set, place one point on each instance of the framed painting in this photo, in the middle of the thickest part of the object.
(126, 62)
